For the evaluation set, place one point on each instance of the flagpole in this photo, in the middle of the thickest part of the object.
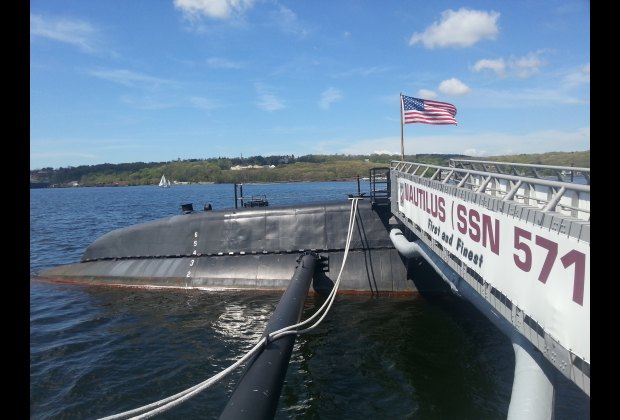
(402, 143)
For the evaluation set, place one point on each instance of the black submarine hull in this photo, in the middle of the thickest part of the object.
(249, 248)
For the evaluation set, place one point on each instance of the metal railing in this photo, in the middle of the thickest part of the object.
(560, 173)
(566, 198)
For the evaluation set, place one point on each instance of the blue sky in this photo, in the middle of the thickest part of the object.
(116, 81)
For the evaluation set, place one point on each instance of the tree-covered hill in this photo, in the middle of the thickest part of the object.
(265, 169)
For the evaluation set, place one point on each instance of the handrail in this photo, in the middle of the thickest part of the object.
(515, 186)
(524, 165)
(536, 181)
(527, 169)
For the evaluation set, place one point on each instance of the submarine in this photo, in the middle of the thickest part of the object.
(254, 246)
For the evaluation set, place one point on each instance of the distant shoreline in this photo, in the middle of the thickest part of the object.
(43, 185)
(303, 169)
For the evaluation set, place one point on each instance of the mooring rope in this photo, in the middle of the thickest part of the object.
(165, 404)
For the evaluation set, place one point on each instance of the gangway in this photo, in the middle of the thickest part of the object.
(379, 180)
(514, 239)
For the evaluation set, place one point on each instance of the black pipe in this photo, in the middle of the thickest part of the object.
(258, 391)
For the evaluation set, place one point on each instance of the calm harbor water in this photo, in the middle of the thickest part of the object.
(97, 351)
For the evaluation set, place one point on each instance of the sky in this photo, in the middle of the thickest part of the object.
(116, 81)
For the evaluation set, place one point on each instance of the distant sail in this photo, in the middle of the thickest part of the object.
(163, 182)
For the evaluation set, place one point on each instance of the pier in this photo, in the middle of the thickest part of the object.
(514, 239)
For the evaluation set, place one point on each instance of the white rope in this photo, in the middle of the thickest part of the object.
(169, 402)
(330, 298)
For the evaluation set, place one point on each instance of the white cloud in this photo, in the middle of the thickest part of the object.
(383, 145)
(65, 152)
(362, 71)
(217, 9)
(579, 77)
(479, 144)
(78, 33)
(329, 96)
(528, 65)
(148, 102)
(426, 94)
(475, 152)
(267, 101)
(462, 28)
(382, 152)
(130, 78)
(60, 155)
(288, 22)
(202, 103)
(498, 65)
(454, 87)
(525, 98)
(521, 67)
(222, 63)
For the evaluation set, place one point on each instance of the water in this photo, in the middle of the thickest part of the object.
(97, 351)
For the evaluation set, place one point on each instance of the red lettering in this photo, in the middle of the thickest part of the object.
(434, 206)
(424, 200)
(579, 259)
(489, 233)
(461, 215)
(442, 209)
(469, 222)
(474, 229)
(573, 257)
(524, 264)
(552, 253)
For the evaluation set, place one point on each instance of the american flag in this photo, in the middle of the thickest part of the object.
(423, 111)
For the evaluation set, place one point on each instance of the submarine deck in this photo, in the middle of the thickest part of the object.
(249, 248)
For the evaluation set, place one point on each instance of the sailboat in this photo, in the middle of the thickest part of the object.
(163, 182)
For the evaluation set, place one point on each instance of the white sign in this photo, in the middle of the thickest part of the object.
(543, 272)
